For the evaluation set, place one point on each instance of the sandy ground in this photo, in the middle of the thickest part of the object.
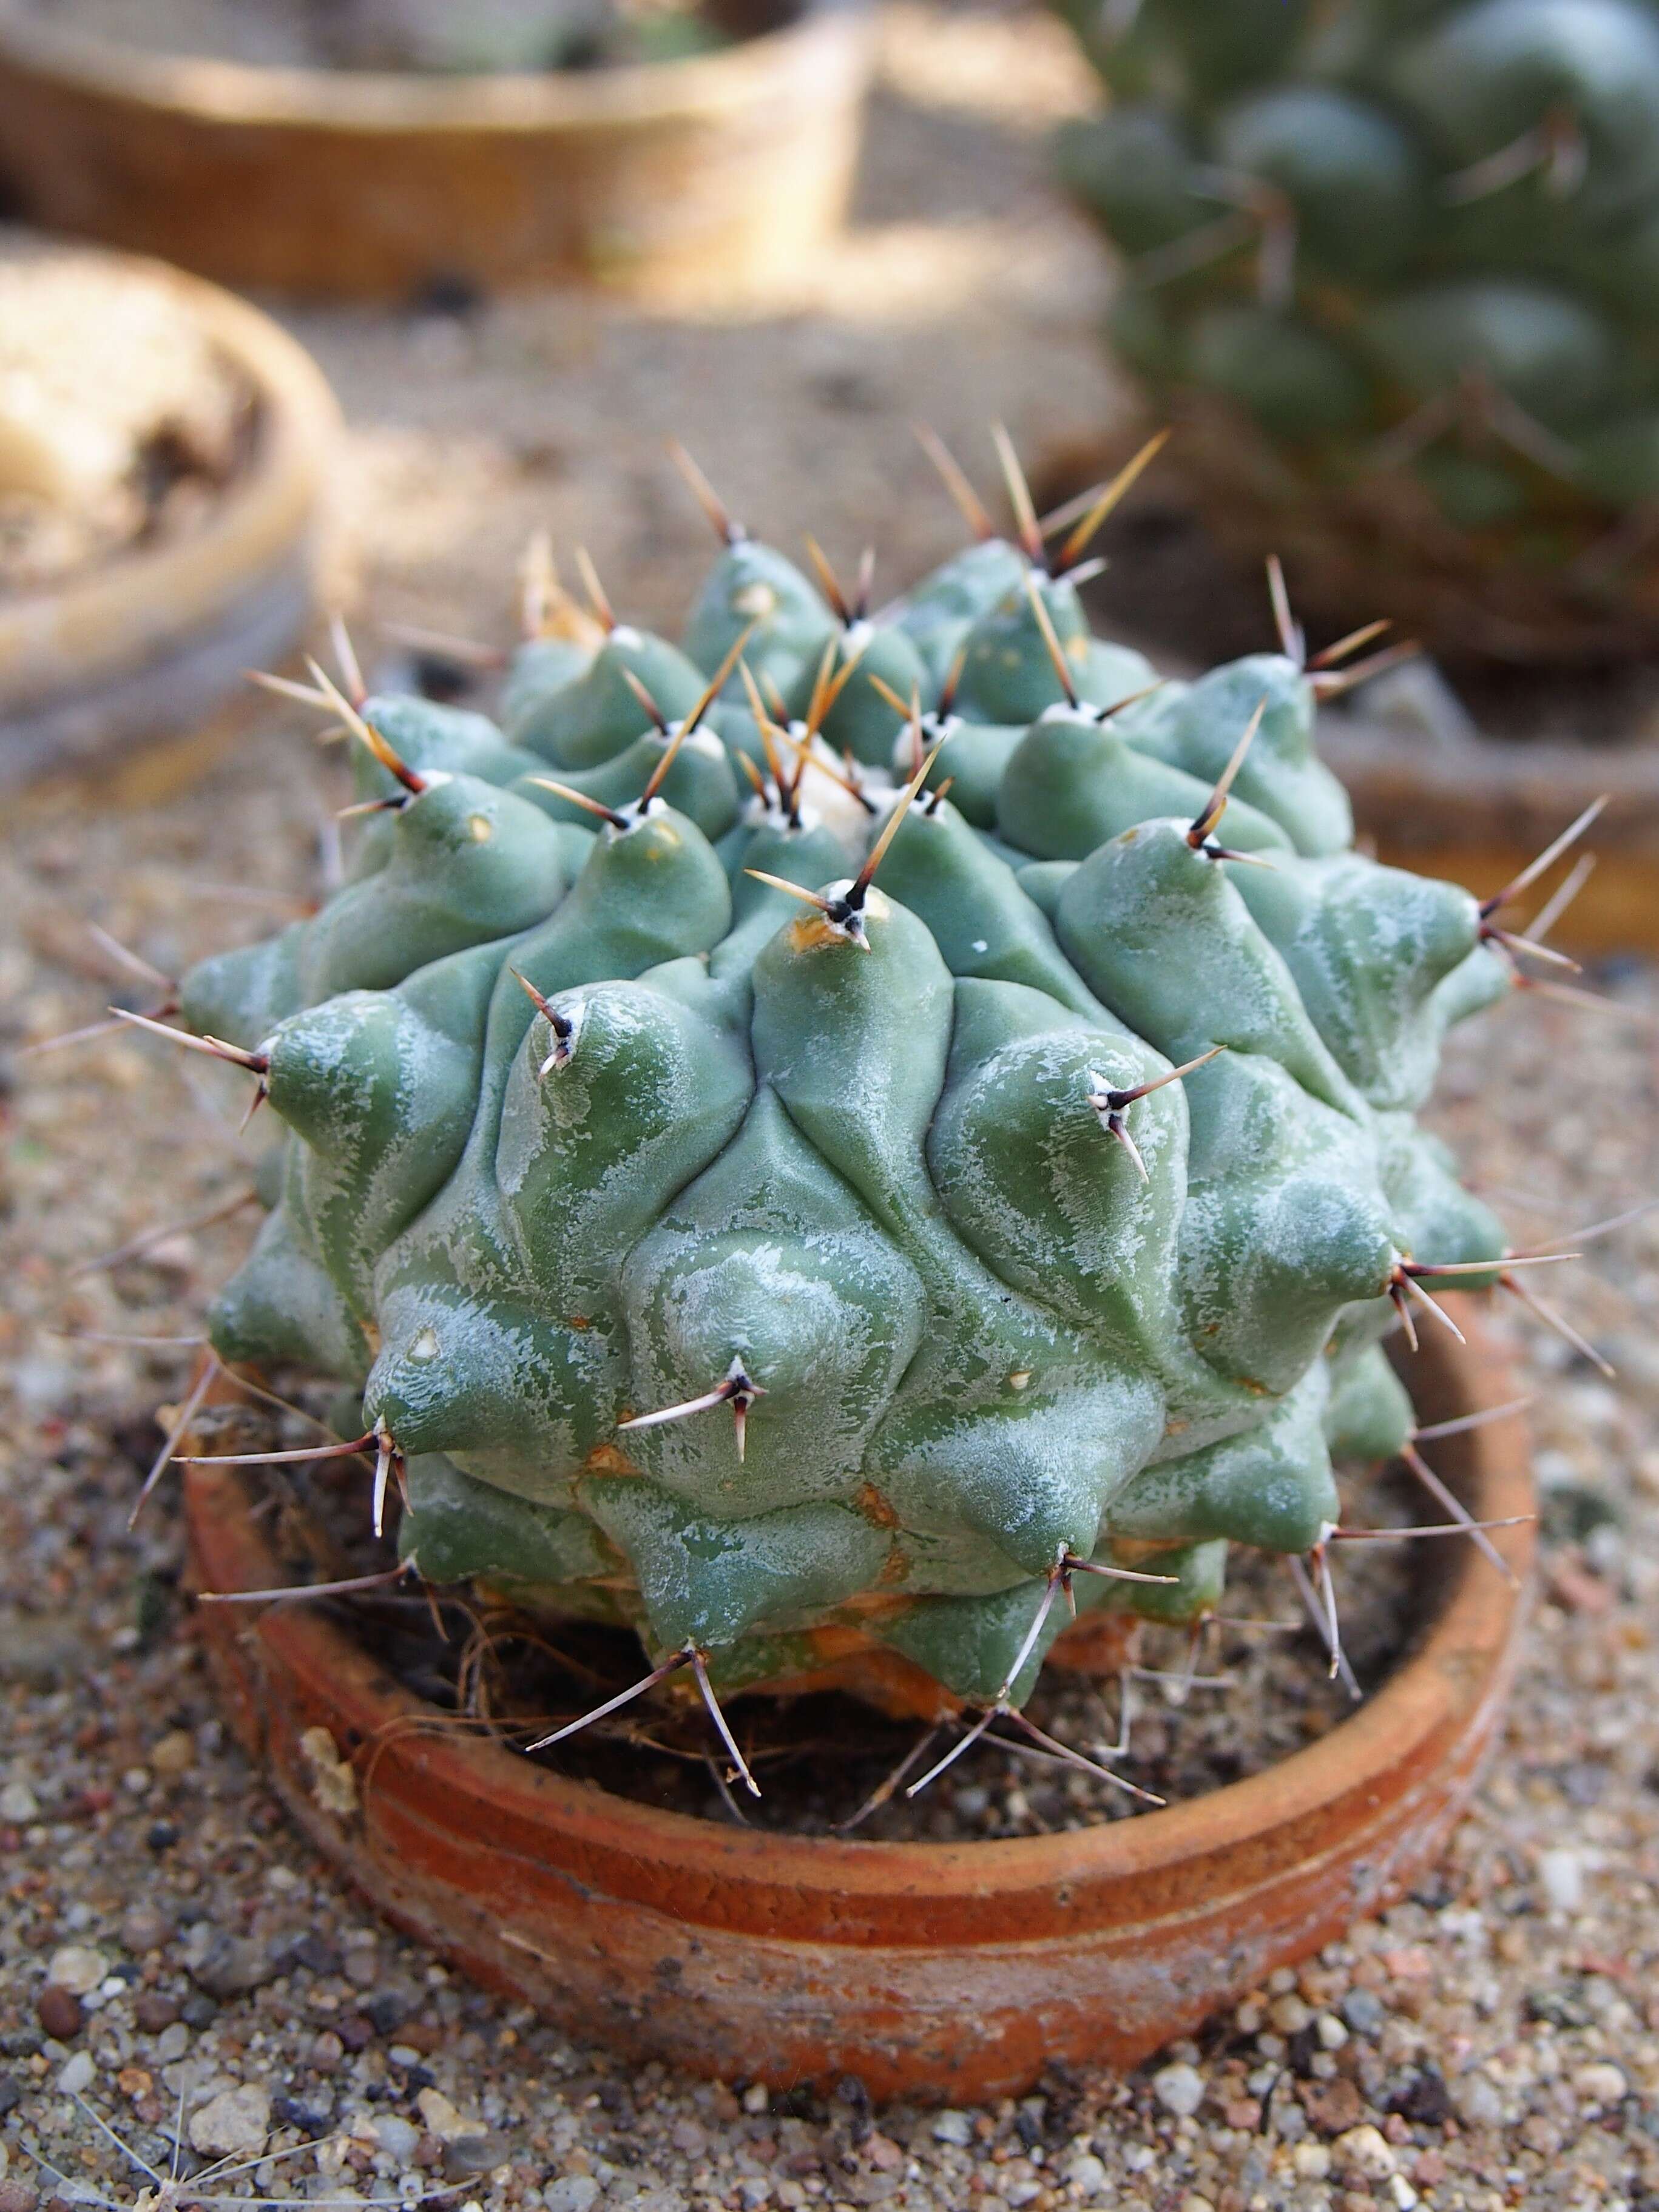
(1493, 2041)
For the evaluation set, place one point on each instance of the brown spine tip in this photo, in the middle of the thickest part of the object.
(1293, 639)
(1110, 495)
(607, 814)
(365, 734)
(1332, 683)
(1198, 836)
(831, 582)
(1019, 497)
(597, 598)
(659, 720)
(257, 1063)
(729, 532)
(1551, 853)
(1345, 647)
(345, 655)
(964, 498)
(1051, 642)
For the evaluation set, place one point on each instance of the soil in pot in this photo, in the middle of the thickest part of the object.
(1205, 1713)
(93, 466)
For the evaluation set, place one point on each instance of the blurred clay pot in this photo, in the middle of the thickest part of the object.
(723, 171)
(151, 640)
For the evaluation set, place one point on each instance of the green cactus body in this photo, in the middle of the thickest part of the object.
(1438, 219)
(881, 1199)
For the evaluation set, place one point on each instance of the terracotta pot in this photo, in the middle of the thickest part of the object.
(724, 169)
(151, 641)
(958, 1970)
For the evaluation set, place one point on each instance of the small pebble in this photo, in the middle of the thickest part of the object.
(400, 2138)
(76, 2074)
(78, 1968)
(1562, 1873)
(1086, 2174)
(1365, 2151)
(1330, 2031)
(1179, 2089)
(145, 1928)
(952, 2127)
(481, 2152)
(362, 1965)
(1312, 2161)
(174, 1753)
(18, 1804)
(1363, 2011)
(1290, 2015)
(1602, 2083)
(59, 2011)
(756, 2098)
(572, 2192)
(1478, 2100)
(237, 2119)
(445, 2122)
(231, 1966)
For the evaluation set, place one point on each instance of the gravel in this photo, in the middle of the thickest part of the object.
(1501, 2024)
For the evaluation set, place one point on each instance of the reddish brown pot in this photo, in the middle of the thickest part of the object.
(959, 1969)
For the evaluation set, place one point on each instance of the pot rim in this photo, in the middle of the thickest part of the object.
(1460, 1663)
(133, 607)
(371, 103)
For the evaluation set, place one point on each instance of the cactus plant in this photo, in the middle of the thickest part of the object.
(1393, 263)
(792, 1202)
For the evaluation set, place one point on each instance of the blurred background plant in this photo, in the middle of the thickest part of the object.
(479, 36)
(1393, 266)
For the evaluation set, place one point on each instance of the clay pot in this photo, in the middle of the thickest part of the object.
(727, 169)
(150, 641)
(953, 1970)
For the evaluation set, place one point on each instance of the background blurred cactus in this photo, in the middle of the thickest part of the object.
(469, 36)
(795, 1198)
(1395, 263)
